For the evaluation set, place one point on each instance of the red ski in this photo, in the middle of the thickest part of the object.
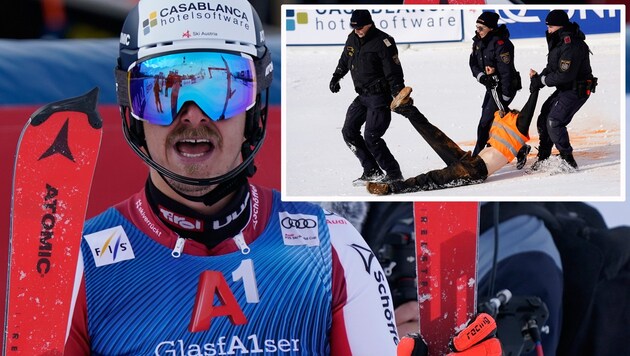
(446, 248)
(56, 157)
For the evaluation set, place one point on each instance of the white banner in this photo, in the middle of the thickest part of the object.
(330, 26)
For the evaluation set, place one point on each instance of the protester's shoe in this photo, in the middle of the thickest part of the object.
(521, 156)
(374, 175)
(394, 187)
(378, 188)
(568, 158)
(402, 99)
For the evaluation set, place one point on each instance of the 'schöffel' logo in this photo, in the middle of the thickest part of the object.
(371, 267)
(299, 229)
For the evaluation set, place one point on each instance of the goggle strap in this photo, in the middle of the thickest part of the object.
(264, 70)
(122, 92)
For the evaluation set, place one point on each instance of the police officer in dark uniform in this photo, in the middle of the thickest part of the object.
(569, 70)
(492, 54)
(371, 57)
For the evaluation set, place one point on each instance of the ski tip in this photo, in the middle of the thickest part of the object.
(85, 103)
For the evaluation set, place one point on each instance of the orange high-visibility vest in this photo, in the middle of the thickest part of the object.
(505, 137)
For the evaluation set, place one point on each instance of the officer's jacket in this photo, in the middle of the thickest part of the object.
(568, 60)
(372, 62)
(495, 50)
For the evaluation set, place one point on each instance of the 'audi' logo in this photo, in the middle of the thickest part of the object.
(298, 223)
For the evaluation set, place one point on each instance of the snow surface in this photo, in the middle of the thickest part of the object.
(317, 165)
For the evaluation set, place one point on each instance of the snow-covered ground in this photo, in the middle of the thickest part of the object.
(317, 165)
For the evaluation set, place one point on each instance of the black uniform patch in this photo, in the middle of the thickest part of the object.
(350, 50)
(395, 59)
(505, 57)
(564, 65)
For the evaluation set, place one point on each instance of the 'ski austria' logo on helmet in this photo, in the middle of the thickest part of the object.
(110, 246)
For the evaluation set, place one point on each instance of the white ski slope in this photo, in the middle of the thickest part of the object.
(317, 165)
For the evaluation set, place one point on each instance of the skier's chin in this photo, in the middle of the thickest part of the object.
(192, 190)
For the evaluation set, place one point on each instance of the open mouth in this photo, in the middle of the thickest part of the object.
(194, 148)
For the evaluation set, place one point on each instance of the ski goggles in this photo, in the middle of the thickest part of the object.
(222, 84)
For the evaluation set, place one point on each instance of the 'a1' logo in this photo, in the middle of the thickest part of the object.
(212, 283)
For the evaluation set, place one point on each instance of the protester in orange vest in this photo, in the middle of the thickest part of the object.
(508, 134)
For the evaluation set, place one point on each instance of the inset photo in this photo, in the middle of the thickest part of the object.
(453, 103)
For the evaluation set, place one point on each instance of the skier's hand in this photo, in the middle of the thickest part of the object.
(488, 81)
(412, 345)
(490, 347)
(334, 84)
(477, 339)
(535, 83)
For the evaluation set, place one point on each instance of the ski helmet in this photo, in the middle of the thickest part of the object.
(229, 31)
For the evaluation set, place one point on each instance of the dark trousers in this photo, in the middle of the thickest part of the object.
(461, 168)
(370, 148)
(488, 108)
(556, 113)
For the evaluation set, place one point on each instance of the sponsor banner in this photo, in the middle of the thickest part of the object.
(524, 23)
(331, 26)
(308, 25)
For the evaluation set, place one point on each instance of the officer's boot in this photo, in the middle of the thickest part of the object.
(543, 154)
(568, 157)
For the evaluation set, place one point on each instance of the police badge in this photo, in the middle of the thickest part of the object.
(396, 60)
(564, 65)
(350, 50)
(505, 57)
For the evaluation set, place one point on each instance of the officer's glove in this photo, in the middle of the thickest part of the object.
(535, 83)
(488, 81)
(334, 83)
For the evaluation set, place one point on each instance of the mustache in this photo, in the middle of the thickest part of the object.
(183, 133)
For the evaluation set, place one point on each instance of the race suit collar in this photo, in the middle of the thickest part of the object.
(209, 230)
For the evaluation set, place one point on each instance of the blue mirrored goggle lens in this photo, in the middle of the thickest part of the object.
(223, 85)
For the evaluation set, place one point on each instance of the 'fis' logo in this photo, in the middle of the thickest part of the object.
(110, 246)
(182, 222)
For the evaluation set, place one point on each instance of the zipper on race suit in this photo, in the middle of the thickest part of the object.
(179, 247)
(239, 240)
